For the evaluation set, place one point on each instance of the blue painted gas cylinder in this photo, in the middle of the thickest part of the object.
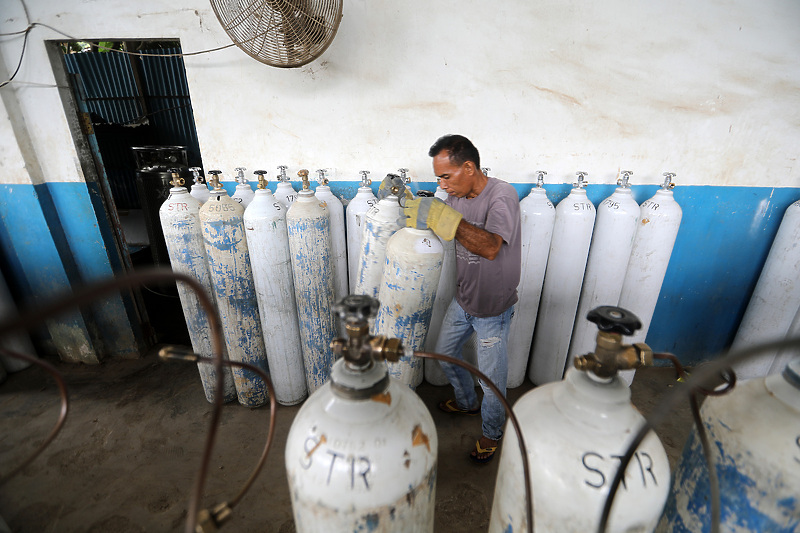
(755, 437)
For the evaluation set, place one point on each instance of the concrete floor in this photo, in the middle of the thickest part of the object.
(127, 456)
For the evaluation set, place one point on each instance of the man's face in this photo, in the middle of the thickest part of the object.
(456, 180)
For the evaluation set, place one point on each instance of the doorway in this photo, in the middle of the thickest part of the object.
(127, 98)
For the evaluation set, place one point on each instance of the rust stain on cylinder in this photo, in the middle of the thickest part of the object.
(322, 440)
(383, 397)
(418, 438)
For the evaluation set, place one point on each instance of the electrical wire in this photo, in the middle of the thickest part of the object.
(32, 25)
(21, 56)
(511, 417)
(62, 417)
(703, 377)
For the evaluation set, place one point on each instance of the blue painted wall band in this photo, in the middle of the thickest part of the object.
(725, 236)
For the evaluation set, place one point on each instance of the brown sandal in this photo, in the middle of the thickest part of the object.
(450, 406)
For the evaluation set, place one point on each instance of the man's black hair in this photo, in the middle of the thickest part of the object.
(458, 147)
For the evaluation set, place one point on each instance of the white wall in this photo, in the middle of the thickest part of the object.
(707, 89)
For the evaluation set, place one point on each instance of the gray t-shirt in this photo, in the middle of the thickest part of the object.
(487, 288)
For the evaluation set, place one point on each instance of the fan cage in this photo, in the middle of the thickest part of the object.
(280, 33)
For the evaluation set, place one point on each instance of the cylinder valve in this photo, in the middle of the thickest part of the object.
(624, 179)
(196, 177)
(365, 181)
(360, 349)
(214, 179)
(540, 174)
(262, 181)
(611, 355)
(581, 183)
(177, 180)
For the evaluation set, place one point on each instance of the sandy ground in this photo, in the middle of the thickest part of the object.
(128, 454)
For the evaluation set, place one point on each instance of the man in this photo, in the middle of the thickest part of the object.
(482, 214)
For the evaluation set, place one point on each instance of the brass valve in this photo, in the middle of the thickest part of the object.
(177, 180)
(262, 181)
(610, 354)
(360, 349)
(214, 179)
(303, 174)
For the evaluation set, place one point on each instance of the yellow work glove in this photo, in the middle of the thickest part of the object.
(431, 213)
(392, 183)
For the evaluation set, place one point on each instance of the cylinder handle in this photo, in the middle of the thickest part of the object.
(614, 320)
(622, 181)
(214, 179)
(322, 179)
(303, 174)
(282, 173)
(540, 174)
(262, 181)
(196, 177)
(240, 177)
(177, 180)
(365, 181)
(668, 183)
(581, 183)
(404, 175)
(358, 307)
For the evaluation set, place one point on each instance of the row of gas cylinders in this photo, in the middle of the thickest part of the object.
(575, 257)
(361, 455)
(276, 264)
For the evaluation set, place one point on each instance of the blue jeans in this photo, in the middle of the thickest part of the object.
(492, 333)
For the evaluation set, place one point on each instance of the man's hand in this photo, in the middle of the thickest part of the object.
(431, 213)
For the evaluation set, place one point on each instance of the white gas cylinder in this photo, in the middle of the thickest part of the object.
(445, 292)
(656, 232)
(775, 300)
(609, 253)
(268, 242)
(407, 293)
(440, 193)
(244, 193)
(199, 190)
(284, 191)
(180, 220)
(232, 281)
(338, 237)
(575, 431)
(309, 226)
(361, 453)
(569, 250)
(537, 217)
(755, 438)
(354, 213)
(380, 223)
(786, 354)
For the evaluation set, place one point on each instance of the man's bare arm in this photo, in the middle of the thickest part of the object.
(478, 241)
